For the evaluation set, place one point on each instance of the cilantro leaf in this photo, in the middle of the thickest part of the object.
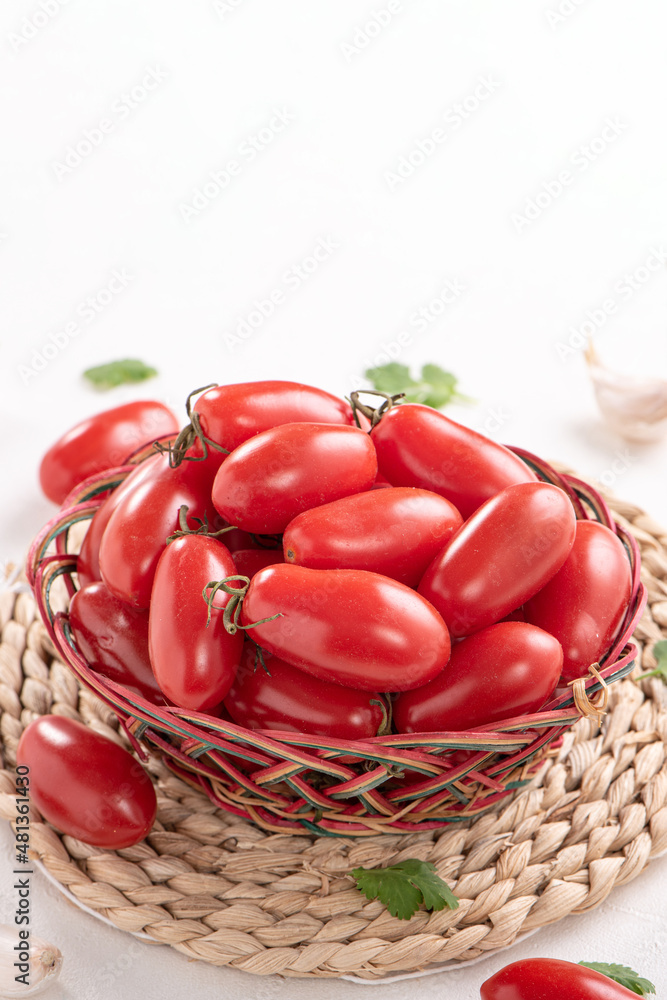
(623, 975)
(436, 387)
(115, 373)
(660, 653)
(403, 887)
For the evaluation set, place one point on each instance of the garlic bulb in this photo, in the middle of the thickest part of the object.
(38, 963)
(635, 407)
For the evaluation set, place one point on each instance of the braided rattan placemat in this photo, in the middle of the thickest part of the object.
(222, 890)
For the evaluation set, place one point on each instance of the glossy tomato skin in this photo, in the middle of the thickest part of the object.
(396, 532)
(88, 561)
(193, 664)
(231, 414)
(283, 471)
(551, 979)
(85, 785)
(584, 603)
(502, 555)
(250, 561)
(347, 626)
(419, 446)
(144, 517)
(113, 639)
(102, 442)
(293, 701)
(505, 670)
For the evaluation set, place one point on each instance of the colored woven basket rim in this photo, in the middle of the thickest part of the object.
(305, 784)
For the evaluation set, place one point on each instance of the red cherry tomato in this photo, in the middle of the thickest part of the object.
(551, 979)
(419, 446)
(193, 664)
(88, 562)
(85, 785)
(101, 442)
(230, 414)
(506, 670)
(347, 626)
(584, 603)
(113, 638)
(501, 556)
(289, 699)
(396, 532)
(250, 561)
(144, 517)
(277, 474)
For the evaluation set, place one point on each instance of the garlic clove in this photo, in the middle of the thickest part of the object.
(635, 407)
(43, 962)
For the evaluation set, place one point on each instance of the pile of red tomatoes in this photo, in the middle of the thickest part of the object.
(295, 563)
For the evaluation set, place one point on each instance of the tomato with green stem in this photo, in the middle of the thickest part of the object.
(347, 626)
(194, 659)
(551, 979)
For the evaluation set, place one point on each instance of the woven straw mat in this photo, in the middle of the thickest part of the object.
(222, 890)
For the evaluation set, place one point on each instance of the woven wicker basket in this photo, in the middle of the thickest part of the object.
(297, 783)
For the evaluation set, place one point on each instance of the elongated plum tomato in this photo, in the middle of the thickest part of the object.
(230, 414)
(584, 603)
(551, 979)
(101, 442)
(396, 532)
(501, 556)
(281, 472)
(144, 516)
(347, 626)
(504, 670)
(88, 561)
(193, 664)
(286, 698)
(418, 446)
(113, 639)
(85, 785)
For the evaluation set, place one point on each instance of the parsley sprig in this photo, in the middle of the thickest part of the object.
(624, 975)
(405, 886)
(436, 387)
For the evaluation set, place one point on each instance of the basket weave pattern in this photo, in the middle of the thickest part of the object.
(302, 783)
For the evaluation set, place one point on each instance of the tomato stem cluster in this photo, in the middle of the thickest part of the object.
(191, 432)
(374, 414)
(203, 529)
(232, 609)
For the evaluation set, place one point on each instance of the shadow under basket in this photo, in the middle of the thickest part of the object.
(297, 783)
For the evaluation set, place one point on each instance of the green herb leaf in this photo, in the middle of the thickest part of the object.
(105, 377)
(435, 388)
(403, 887)
(660, 653)
(623, 975)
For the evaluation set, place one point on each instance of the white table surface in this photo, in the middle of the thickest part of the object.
(308, 113)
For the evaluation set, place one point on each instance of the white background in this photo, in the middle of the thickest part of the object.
(101, 174)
